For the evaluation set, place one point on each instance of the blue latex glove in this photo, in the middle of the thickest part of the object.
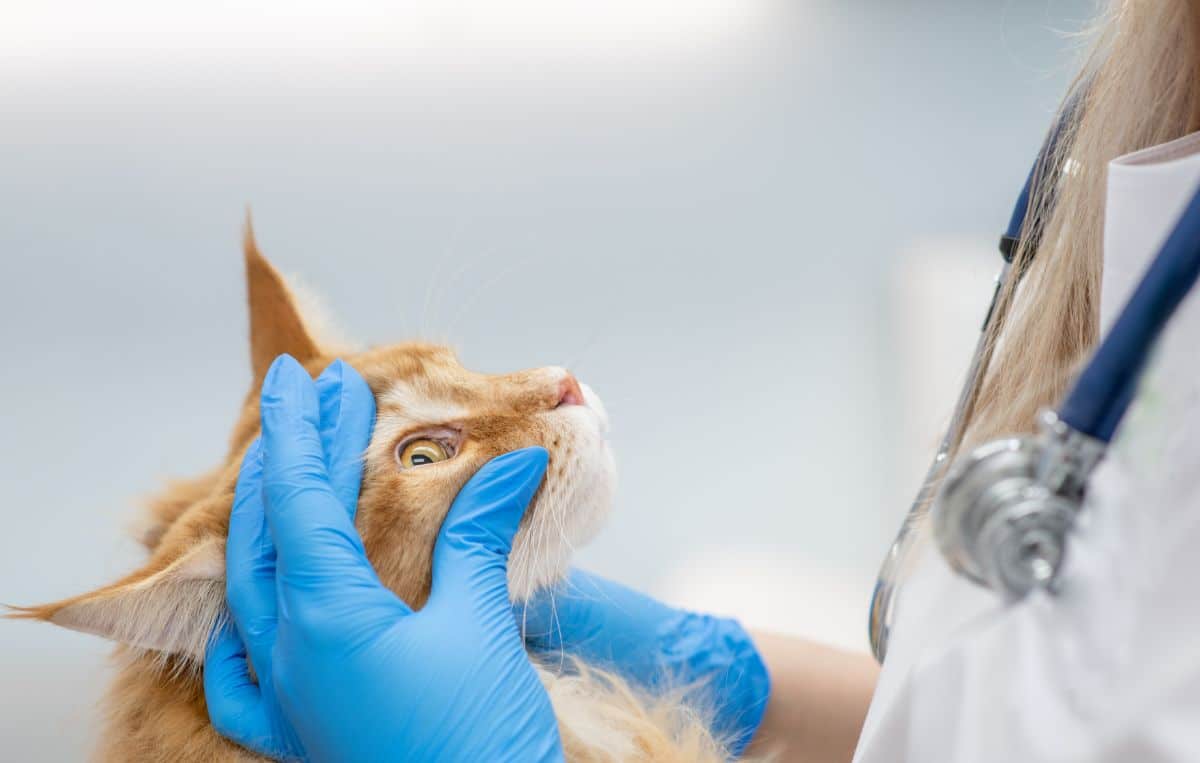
(653, 644)
(346, 670)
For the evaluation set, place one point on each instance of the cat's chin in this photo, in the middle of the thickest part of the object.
(560, 522)
(526, 579)
(573, 502)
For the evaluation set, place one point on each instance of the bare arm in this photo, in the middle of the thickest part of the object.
(819, 699)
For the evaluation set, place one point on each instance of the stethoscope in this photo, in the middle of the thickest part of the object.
(1004, 511)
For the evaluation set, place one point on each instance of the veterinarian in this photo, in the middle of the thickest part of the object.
(1040, 604)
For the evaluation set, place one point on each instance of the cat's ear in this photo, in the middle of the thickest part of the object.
(276, 323)
(167, 608)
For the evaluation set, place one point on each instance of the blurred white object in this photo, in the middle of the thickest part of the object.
(898, 560)
(940, 287)
(823, 602)
(649, 26)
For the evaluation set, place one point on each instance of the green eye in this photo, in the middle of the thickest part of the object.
(421, 453)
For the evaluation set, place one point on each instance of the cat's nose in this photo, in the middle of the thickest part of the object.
(569, 392)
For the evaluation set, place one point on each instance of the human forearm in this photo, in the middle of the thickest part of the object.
(819, 698)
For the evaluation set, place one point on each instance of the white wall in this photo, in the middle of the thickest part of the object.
(700, 207)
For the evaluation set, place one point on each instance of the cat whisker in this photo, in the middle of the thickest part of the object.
(475, 259)
(484, 287)
(431, 285)
(597, 337)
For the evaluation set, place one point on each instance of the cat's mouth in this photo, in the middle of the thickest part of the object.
(593, 403)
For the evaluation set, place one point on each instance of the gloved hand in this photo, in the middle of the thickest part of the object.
(346, 670)
(650, 643)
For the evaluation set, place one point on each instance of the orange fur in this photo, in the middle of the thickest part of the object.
(164, 612)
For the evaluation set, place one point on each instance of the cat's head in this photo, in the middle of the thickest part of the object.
(437, 423)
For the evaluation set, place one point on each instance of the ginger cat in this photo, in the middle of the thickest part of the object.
(437, 423)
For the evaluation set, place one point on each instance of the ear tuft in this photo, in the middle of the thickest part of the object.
(276, 325)
(171, 610)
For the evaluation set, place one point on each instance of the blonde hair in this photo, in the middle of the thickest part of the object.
(1139, 86)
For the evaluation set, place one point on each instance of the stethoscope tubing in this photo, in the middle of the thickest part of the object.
(1099, 398)
(882, 609)
(891, 572)
(1096, 402)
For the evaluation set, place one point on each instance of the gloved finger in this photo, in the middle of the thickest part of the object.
(250, 563)
(234, 701)
(313, 534)
(347, 416)
(322, 572)
(476, 537)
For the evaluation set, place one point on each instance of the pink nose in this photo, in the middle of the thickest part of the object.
(569, 392)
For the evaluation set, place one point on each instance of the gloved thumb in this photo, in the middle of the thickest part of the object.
(476, 538)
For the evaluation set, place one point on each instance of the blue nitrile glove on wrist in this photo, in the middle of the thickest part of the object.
(346, 670)
(653, 644)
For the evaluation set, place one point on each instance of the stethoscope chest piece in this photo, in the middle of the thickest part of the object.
(1005, 509)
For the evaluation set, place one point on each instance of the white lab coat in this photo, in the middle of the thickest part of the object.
(1109, 670)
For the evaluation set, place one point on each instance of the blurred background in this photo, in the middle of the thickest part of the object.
(762, 230)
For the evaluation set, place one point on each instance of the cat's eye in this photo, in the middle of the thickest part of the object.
(421, 453)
